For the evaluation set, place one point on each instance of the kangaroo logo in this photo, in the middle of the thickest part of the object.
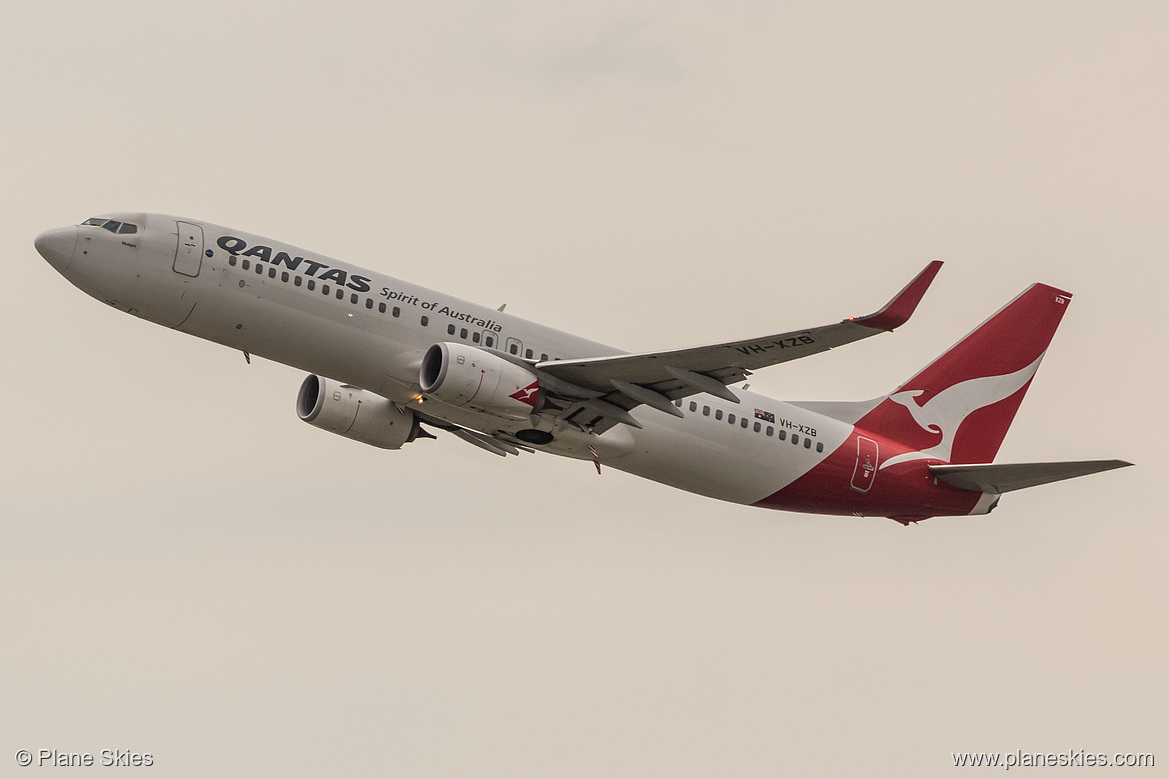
(945, 412)
(527, 394)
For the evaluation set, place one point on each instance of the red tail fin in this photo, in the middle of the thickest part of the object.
(959, 407)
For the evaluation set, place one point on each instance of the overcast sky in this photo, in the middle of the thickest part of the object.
(188, 570)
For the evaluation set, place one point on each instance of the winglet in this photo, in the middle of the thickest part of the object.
(898, 310)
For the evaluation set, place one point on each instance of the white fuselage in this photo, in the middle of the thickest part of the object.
(371, 331)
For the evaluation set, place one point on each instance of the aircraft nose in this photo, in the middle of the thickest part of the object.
(57, 246)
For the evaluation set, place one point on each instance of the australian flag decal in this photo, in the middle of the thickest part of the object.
(766, 416)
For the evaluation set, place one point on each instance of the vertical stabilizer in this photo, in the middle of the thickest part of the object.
(958, 409)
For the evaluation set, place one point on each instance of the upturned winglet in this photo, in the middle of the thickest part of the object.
(898, 310)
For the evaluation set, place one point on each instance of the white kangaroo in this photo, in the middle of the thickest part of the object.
(945, 412)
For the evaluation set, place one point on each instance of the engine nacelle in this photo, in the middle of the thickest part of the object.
(354, 413)
(471, 378)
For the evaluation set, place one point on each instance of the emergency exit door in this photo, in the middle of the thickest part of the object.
(189, 251)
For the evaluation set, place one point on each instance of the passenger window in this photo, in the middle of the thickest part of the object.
(381, 307)
(126, 229)
(693, 406)
(271, 273)
(450, 329)
(795, 440)
(758, 427)
(397, 311)
(706, 411)
(782, 434)
(743, 423)
(311, 284)
(528, 354)
(819, 446)
(284, 276)
(112, 226)
(425, 320)
(341, 294)
(353, 299)
(770, 430)
(324, 289)
(718, 414)
(246, 265)
(475, 336)
(807, 443)
(296, 281)
(231, 260)
(369, 303)
(463, 333)
(259, 269)
(678, 403)
(731, 418)
(514, 349)
(543, 358)
(490, 341)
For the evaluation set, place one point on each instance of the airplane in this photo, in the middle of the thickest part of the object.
(389, 362)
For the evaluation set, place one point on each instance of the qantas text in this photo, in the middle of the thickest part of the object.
(239, 247)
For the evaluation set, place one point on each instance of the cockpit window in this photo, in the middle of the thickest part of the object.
(114, 226)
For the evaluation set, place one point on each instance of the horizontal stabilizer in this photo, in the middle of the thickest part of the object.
(1007, 477)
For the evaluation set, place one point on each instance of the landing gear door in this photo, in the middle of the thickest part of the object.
(189, 250)
(866, 464)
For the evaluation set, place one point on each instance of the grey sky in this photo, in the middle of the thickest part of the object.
(186, 569)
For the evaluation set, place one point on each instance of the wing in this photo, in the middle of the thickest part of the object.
(598, 392)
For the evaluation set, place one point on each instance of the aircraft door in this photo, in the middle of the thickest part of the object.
(189, 249)
(866, 464)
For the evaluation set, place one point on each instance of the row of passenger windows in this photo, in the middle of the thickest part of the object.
(311, 284)
(113, 225)
(744, 422)
(514, 348)
(476, 336)
(487, 339)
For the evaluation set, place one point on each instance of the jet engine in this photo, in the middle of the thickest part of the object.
(354, 413)
(471, 378)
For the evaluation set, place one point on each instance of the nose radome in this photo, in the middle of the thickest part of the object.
(57, 246)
